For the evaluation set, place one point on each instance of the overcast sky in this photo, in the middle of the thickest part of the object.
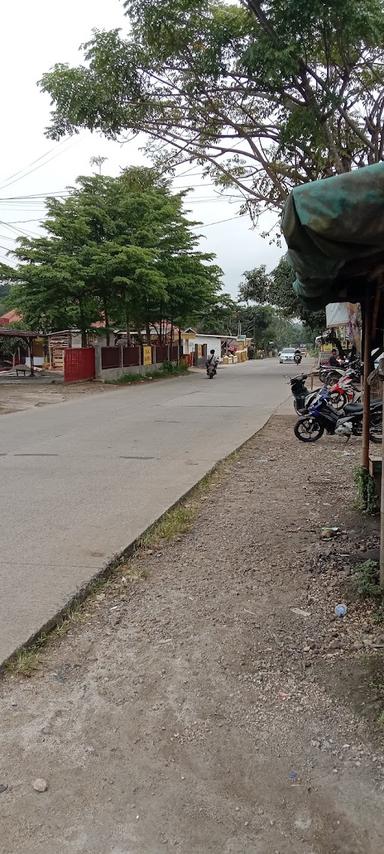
(35, 35)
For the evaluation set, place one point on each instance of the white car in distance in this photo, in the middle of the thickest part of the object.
(287, 355)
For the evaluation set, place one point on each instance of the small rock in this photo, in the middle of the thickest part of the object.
(3, 788)
(40, 785)
(328, 533)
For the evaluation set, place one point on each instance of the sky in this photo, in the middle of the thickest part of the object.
(34, 37)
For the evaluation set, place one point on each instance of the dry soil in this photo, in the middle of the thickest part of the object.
(214, 705)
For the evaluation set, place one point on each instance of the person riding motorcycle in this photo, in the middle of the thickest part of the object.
(298, 356)
(212, 361)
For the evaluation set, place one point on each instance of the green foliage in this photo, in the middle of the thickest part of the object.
(275, 289)
(221, 317)
(255, 285)
(264, 95)
(4, 292)
(117, 249)
(167, 369)
(365, 580)
(367, 500)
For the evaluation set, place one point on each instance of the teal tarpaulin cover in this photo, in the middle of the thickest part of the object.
(334, 229)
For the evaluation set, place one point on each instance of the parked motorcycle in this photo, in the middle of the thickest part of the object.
(330, 375)
(343, 392)
(322, 416)
(300, 393)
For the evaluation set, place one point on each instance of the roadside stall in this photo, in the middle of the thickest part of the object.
(334, 229)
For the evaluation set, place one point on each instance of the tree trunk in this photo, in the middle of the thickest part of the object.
(106, 321)
(83, 327)
(128, 327)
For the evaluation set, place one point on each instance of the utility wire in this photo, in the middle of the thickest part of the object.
(15, 179)
(217, 222)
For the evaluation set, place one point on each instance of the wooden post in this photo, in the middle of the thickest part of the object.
(366, 386)
(382, 505)
(30, 348)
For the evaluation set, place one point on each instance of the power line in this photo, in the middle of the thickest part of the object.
(48, 194)
(217, 222)
(14, 174)
(39, 165)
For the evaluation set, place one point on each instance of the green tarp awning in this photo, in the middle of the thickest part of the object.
(334, 229)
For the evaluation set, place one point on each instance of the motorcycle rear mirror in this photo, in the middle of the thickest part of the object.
(380, 368)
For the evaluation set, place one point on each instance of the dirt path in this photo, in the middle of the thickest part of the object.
(197, 710)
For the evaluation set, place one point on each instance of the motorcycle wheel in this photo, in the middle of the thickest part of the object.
(308, 429)
(331, 378)
(376, 429)
(338, 400)
(210, 376)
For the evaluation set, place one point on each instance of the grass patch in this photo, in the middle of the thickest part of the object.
(24, 663)
(168, 369)
(367, 500)
(175, 522)
(365, 580)
(366, 585)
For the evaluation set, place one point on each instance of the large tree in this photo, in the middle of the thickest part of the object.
(276, 289)
(264, 95)
(116, 249)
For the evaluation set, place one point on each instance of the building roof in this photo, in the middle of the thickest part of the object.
(17, 333)
(10, 317)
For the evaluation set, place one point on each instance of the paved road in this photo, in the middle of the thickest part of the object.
(82, 479)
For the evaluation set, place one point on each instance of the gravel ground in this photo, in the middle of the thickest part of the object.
(214, 705)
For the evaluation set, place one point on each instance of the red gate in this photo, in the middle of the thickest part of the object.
(79, 364)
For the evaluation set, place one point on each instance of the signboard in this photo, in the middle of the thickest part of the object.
(337, 314)
(147, 355)
(345, 314)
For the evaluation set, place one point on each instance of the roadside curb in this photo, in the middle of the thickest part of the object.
(119, 559)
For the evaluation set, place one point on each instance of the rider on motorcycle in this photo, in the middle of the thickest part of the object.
(212, 360)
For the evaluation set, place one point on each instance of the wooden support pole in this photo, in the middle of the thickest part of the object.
(366, 386)
(382, 505)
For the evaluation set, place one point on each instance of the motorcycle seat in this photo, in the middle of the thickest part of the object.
(357, 408)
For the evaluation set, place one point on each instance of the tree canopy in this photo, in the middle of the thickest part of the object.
(117, 250)
(264, 95)
(275, 289)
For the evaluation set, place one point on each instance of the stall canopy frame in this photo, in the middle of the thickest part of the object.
(26, 336)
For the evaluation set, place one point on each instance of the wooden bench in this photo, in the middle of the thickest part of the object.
(22, 369)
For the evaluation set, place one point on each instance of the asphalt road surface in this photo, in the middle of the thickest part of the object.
(81, 480)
